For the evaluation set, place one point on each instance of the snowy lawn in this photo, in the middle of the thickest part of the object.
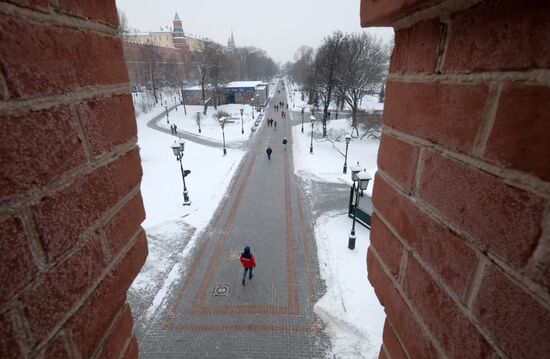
(350, 307)
(210, 126)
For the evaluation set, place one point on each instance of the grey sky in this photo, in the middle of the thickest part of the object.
(278, 27)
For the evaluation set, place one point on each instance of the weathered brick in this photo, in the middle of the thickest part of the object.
(41, 5)
(502, 218)
(94, 317)
(385, 13)
(387, 246)
(103, 10)
(49, 301)
(416, 48)
(437, 112)
(62, 217)
(51, 146)
(392, 343)
(108, 122)
(115, 342)
(448, 255)
(442, 316)
(9, 347)
(88, 58)
(416, 344)
(55, 349)
(132, 351)
(124, 224)
(17, 267)
(398, 159)
(519, 138)
(518, 323)
(499, 35)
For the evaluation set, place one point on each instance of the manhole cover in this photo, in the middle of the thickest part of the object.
(234, 255)
(221, 290)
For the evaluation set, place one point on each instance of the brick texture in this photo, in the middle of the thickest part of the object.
(108, 122)
(435, 111)
(448, 255)
(122, 225)
(8, 343)
(493, 36)
(48, 301)
(413, 337)
(519, 138)
(449, 325)
(62, 218)
(68, 159)
(88, 59)
(17, 267)
(392, 343)
(518, 322)
(102, 10)
(115, 343)
(423, 38)
(386, 245)
(51, 147)
(502, 218)
(384, 13)
(93, 319)
(398, 159)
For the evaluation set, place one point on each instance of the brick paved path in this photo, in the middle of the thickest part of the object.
(272, 316)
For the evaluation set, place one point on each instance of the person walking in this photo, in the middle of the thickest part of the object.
(268, 151)
(248, 262)
(284, 143)
(275, 124)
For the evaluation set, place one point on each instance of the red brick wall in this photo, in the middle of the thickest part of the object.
(460, 252)
(70, 204)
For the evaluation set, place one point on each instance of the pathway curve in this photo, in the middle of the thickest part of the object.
(210, 314)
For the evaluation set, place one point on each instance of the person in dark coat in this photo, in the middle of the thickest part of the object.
(284, 143)
(268, 151)
(248, 262)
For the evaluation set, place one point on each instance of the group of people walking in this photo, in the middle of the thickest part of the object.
(269, 150)
(174, 129)
(271, 123)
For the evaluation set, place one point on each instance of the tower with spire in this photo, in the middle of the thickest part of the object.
(178, 36)
(231, 42)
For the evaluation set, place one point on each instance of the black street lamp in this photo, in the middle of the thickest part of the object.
(198, 120)
(362, 179)
(303, 108)
(348, 138)
(252, 104)
(312, 119)
(242, 126)
(178, 152)
(166, 109)
(222, 124)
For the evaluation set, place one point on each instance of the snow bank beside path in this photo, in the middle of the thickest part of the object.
(350, 307)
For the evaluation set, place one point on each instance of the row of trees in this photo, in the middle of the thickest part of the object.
(344, 69)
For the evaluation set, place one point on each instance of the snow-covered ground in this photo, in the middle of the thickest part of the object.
(210, 126)
(350, 307)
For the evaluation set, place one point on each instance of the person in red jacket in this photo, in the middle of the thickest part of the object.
(248, 261)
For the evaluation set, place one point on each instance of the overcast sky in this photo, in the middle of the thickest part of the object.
(278, 27)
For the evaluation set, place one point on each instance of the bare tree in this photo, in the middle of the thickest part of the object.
(327, 62)
(208, 65)
(361, 70)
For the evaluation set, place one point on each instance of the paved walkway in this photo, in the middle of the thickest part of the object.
(211, 314)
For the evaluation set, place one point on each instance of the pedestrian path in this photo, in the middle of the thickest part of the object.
(210, 313)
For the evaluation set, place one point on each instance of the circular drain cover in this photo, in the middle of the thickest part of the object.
(221, 290)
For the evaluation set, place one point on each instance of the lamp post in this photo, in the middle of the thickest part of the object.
(242, 126)
(222, 124)
(348, 138)
(303, 108)
(362, 179)
(252, 104)
(166, 109)
(312, 119)
(178, 152)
